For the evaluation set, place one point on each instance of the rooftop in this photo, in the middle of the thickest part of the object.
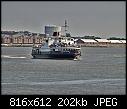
(102, 40)
(123, 41)
(88, 40)
(115, 41)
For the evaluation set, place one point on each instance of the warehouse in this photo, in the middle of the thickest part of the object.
(123, 41)
(86, 42)
(115, 41)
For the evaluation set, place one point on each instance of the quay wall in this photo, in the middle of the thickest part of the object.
(103, 45)
(81, 45)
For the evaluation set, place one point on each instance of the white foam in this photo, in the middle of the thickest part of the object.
(68, 82)
(7, 56)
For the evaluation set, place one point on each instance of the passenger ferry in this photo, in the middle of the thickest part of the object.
(57, 46)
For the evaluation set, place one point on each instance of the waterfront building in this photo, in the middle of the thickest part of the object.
(6, 39)
(102, 41)
(115, 41)
(86, 42)
(123, 41)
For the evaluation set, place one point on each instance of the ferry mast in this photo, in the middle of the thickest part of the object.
(65, 26)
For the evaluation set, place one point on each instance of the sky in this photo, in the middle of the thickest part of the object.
(103, 19)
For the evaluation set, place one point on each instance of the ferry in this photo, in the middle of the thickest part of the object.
(57, 47)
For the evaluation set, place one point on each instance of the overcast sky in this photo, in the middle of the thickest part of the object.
(102, 19)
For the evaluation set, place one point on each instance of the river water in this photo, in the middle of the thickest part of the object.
(100, 71)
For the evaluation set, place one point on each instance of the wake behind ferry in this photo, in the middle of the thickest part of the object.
(57, 46)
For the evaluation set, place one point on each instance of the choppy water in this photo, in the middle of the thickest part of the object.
(101, 71)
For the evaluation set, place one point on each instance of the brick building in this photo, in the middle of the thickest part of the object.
(16, 39)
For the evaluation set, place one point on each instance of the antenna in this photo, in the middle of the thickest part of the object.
(65, 26)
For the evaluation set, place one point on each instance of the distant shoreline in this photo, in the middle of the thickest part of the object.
(83, 45)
